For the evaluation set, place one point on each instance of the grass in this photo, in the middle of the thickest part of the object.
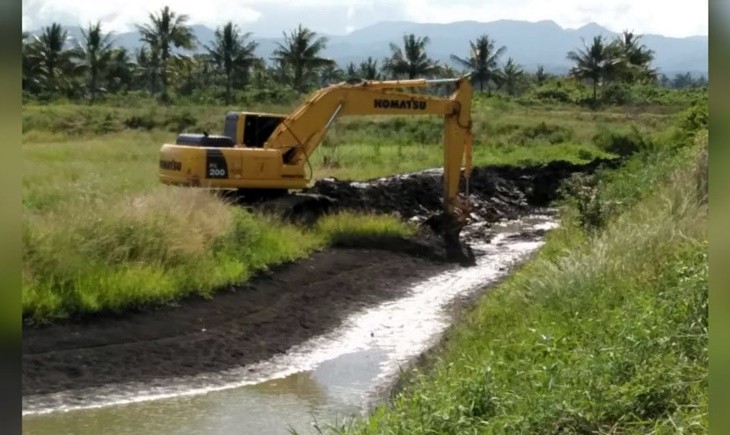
(604, 332)
(371, 147)
(163, 245)
(344, 228)
(100, 233)
(108, 168)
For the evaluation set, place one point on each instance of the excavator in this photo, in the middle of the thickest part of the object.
(268, 154)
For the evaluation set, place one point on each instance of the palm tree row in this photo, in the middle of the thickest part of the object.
(623, 59)
(95, 66)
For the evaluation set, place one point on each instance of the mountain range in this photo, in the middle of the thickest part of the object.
(529, 43)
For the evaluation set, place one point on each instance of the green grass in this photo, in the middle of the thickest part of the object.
(345, 228)
(370, 147)
(108, 168)
(163, 245)
(603, 332)
(100, 233)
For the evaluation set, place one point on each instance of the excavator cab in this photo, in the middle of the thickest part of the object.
(251, 129)
(240, 129)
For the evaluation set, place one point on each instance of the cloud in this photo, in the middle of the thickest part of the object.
(671, 18)
(121, 15)
(271, 17)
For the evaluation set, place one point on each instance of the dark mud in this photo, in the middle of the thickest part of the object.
(495, 192)
(245, 324)
(237, 327)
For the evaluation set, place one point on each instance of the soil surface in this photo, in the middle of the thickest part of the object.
(236, 327)
(495, 192)
(294, 302)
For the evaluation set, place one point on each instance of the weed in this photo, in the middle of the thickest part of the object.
(582, 192)
(620, 143)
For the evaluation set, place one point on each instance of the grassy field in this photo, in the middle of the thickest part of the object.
(100, 233)
(605, 331)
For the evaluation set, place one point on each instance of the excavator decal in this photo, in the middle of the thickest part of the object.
(216, 164)
(382, 103)
(170, 165)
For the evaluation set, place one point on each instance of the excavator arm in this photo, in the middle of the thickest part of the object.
(299, 134)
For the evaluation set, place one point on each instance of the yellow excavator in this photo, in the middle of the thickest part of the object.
(269, 153)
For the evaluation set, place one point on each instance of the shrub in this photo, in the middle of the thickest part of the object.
(140, 122)
(544, 133)
(621, 143)
(690, 122)
(181, 121)
(553, 94)
(582, 191)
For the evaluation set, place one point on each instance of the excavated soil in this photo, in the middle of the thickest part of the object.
(291, 303)
(495, 192)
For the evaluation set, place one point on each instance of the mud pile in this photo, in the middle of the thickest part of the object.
(495, 192)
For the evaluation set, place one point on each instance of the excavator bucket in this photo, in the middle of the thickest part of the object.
(449, 226)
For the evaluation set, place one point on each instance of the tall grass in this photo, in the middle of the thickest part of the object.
(162, 245)
(151, 248)
(603, 332)
(100, 233)
(348, 228)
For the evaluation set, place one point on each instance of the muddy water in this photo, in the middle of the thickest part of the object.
(322, 381)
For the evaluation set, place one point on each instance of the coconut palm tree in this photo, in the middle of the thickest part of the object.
(182, 74)
(595, 63)
(331, 73)
(510, 77)
(369, 69)
(540, 75)
(351, 71)
(30, 65)
(120, 73)
(233, 54)
(147, 71)
(411, 60)
(94, 55)
(447, 72)
(53, 63)
(482, 60)
(165, 31)
(300, 56)
(635, 58)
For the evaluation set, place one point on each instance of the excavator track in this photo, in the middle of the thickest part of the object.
(296, 207)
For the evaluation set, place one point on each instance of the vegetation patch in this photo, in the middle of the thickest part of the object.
(605, 331)
(349, 228)
(100, 233)
(163, 245)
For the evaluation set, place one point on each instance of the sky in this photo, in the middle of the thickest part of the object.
(269, 18)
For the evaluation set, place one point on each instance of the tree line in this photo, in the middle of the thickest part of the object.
(94, 66)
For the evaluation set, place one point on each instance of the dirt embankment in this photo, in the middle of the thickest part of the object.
(275, 311)
(495, 192)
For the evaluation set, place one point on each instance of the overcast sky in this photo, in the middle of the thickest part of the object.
(677, 18)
